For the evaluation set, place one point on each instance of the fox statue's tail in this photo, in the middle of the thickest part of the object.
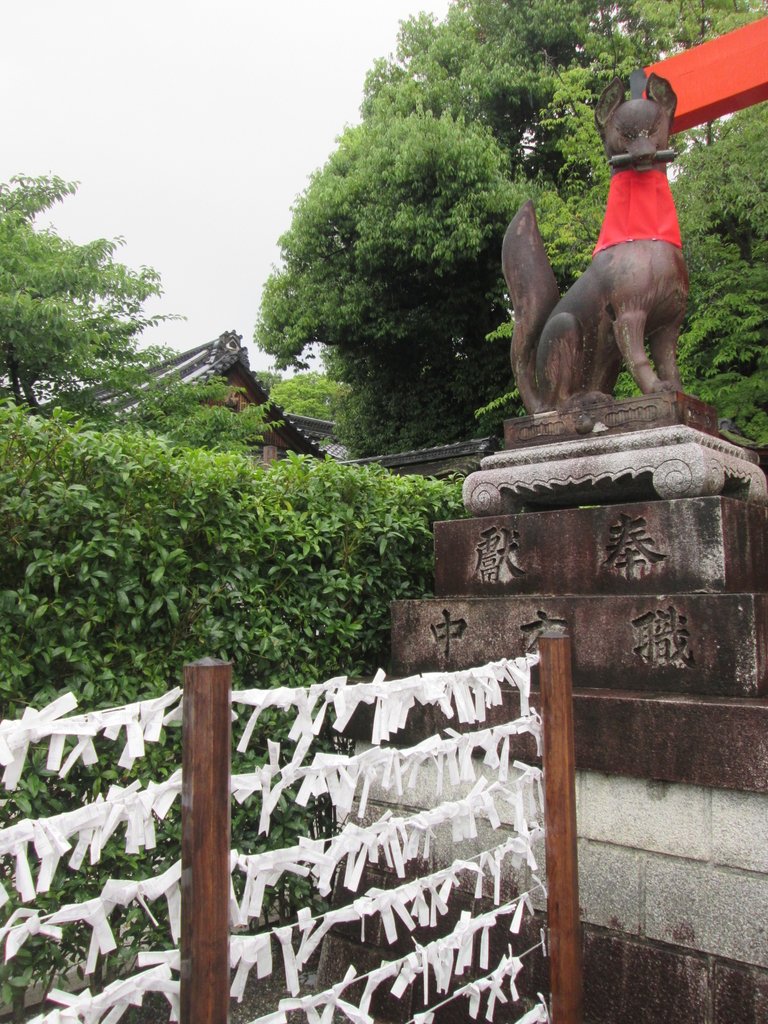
(534, 294)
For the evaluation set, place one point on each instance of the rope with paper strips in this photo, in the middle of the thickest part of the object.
(464, 695)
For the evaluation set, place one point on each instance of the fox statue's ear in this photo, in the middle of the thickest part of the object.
(660, 91)
(611, 98)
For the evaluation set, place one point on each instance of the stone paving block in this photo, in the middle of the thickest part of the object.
(707, 908)
(647, 815)
(681, 643)
(609, 886)
(709, 545)
(741, 994)
(740, 830)
(633, 982)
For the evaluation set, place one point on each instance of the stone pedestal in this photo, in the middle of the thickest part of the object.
(682, 643)
(664, 462)
(612, 417)
(663, 586)
(694, 545)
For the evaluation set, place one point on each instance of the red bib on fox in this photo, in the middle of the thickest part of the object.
(640, 205)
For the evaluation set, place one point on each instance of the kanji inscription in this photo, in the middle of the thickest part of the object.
(495, 554)
(662, 638)
(542, 623)
(631, 550)
(447, 630)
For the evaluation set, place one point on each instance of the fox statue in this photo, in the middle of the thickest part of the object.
(567, 352)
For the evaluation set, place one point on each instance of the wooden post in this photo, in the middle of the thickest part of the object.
(565, 953)
(205, 837)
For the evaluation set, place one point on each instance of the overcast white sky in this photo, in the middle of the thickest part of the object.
(191, 126)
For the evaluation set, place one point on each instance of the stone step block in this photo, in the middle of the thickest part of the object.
(644, 814)
(681, 643)
(709, 545)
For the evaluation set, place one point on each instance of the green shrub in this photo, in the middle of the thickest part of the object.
(124, 557)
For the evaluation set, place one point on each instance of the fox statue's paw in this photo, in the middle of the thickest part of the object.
(579, 409)
(662, 387)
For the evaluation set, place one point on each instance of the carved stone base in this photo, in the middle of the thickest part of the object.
(681, 643)
(694, 545)
(612, 416)
(669, 462)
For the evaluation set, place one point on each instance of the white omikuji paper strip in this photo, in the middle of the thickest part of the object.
(472, 691)
(23, 923)
(381, 901)
(509, 967)
(339, 775)
(409, 901)
(420, 901)
(142, 721)
(398, 839)
(93, 824)
(448, 956)
(113, 1001)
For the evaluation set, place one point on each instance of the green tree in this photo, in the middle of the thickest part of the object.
(70, 316)
(722, 201)
(268, 379)
(392, 257)
(309, 394)
(391, 261)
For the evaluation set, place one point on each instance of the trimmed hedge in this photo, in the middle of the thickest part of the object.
(124, 557)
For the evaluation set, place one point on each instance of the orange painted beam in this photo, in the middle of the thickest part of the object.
(718, 77)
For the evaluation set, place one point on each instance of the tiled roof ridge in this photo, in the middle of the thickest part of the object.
(313, 421)
(476, 444)
(214, 347)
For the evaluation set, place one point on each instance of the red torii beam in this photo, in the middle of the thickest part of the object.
(718, 77)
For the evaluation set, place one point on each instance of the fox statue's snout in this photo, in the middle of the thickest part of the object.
(567, 350)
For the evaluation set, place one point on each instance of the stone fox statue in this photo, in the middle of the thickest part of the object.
(567, 352)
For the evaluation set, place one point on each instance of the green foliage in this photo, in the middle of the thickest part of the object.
(309, 394)
(70, 316)
(722, 200)
(124, 557)
(194, 415)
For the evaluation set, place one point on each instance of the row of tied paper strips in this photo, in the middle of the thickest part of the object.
(512, 801)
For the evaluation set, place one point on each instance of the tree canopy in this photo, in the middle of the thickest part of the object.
(70, 315)
(392, 257)
(722, 201)
(309, 394)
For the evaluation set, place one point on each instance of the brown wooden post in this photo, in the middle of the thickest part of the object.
(205, 837)
(565, 952)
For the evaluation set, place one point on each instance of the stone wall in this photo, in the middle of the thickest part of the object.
(674, 882)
